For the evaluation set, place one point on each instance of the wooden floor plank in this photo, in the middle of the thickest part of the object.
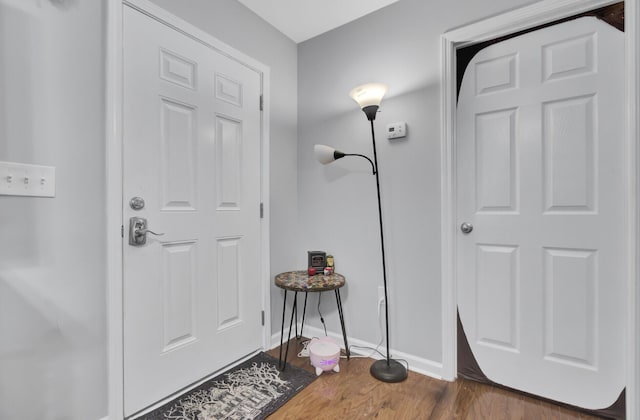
(354, 393)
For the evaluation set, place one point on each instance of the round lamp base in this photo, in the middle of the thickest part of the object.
(392, 372)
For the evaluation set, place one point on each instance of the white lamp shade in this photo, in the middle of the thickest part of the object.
(324, 154)
(369, 94)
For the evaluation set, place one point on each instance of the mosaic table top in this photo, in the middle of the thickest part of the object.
(300, 281)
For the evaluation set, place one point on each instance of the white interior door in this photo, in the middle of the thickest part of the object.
(541, 179)
(192, 141)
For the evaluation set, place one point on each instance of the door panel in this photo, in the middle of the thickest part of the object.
(179, 268)
(570, 306)
(191, 150)
(495, 161)
(497, 296)
(541, 178)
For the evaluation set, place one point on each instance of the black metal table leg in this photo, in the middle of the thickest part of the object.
(295, 312)
(282, 364)
(284, 307)
(304, 311)
(344, 331)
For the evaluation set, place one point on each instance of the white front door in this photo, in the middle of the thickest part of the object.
(191, 151)
(540, 152)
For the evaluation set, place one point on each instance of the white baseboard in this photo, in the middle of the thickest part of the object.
(416, 364)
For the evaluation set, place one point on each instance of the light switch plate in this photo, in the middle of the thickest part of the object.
(27, 180)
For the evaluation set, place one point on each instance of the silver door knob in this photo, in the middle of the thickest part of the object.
(136, 203)
(466, 228)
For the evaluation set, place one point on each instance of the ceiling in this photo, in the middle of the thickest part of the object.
(304, 19)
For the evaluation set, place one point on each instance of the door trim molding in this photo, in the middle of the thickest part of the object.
(632, 78)
(514, 21)
(114, 179)
(113, 235)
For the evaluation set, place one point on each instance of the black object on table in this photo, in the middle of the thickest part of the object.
(301, 281)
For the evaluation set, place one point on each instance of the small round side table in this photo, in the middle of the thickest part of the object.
(300, 281)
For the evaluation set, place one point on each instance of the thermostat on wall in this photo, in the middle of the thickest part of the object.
(397, 130)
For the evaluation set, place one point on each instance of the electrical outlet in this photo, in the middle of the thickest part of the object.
(380, 294)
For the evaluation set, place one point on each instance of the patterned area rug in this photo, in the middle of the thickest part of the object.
(251, 390)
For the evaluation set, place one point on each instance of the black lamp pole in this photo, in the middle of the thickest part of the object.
(384, 370)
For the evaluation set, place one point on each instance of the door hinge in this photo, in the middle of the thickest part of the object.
(122, 231)
(262, 210)
(261, 103)
(263, 318)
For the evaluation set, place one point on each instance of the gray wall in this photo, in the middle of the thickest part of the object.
(232, 23)
(400, 46)
(52, 269)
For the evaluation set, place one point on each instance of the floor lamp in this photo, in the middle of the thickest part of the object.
(369, 97)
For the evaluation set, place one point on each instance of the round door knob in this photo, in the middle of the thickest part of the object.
(466, 228)
(136, 203)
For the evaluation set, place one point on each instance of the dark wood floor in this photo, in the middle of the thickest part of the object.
(354, 394)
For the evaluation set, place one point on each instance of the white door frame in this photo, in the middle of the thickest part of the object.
(521, 19)
(114, 186)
